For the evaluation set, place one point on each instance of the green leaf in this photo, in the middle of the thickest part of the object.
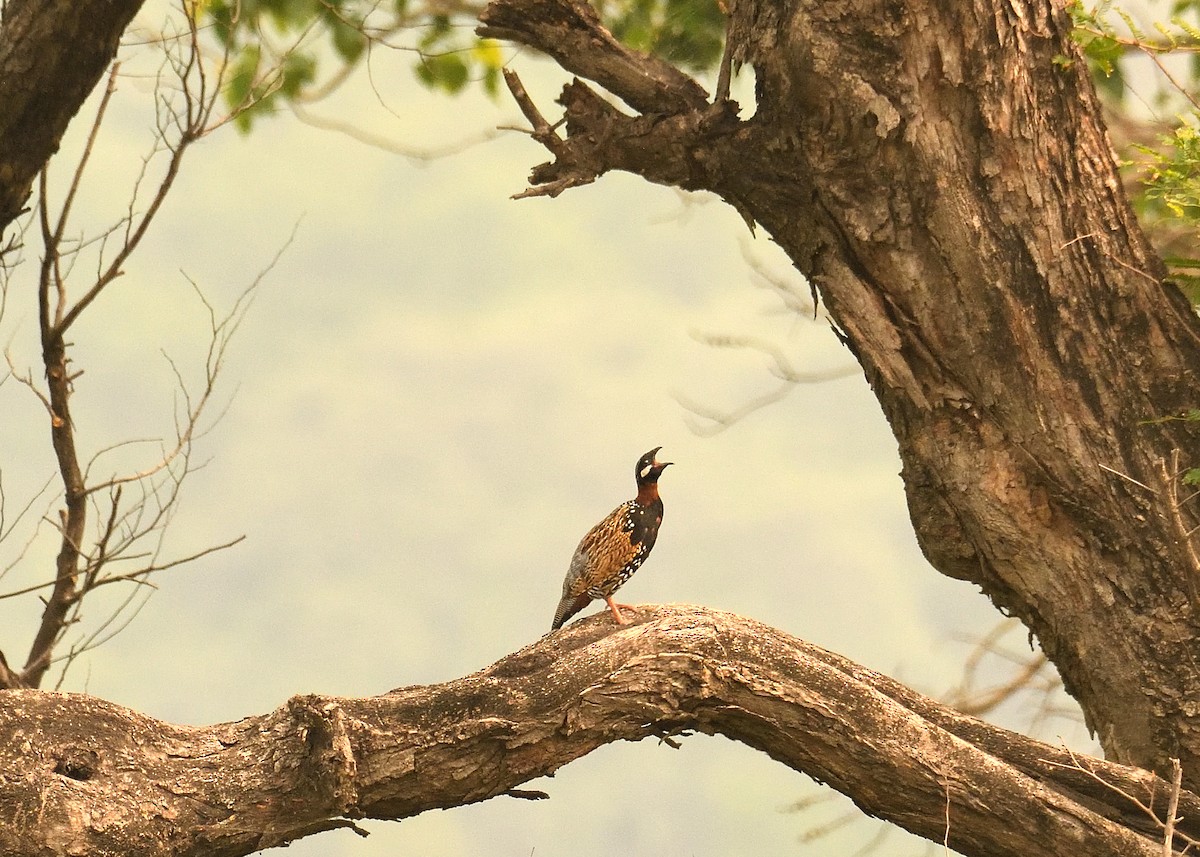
(240, 86)
(1172, 176)
(491, 82)
(348, 40)
(297, 70)
(447, 72)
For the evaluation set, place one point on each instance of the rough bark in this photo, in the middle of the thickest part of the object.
(941, 174)
(52, 54)
(82, 776)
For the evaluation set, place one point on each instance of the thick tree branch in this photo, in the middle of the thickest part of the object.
(43, 82)
(570, 31)
(85, 776)
(666, 149)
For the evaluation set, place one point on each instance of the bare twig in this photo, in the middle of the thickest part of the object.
(1172, 808)
(1167, 825)
(1126, 477)
(378, 141)
(713, 420)
(543, 132)
(65, 211)
(1174, 513)
(7, 527)
(184, 114)
(707, 421)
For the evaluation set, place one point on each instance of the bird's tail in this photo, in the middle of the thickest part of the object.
(568, 607)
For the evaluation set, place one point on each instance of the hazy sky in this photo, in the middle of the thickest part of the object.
(437, 391)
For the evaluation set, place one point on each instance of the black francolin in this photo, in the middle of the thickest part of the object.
(614, 549)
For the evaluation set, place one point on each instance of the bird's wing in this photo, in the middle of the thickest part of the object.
(605, 549)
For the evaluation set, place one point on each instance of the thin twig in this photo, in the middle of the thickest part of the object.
(1175, 515)
(1148, 809)
(527, 794)
(379, 141)
(1172, 807)
(543, 132)
(183, 116)
(1126, 477)
(946, 836)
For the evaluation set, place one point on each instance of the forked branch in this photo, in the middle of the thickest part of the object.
(666, 141)
(131, 523)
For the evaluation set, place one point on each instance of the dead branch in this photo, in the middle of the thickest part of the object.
(1172, 809)
(1175, 511)
(128, 537)
(1168, 826)
(58, 311)
(706, 420)
(236, 788)
(418, 154)
(670, 139)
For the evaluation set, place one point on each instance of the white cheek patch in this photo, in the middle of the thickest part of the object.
(646, 470)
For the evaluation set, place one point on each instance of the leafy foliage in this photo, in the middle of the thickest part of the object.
(292, 50)
(447, 64)
(289, 50)
(1100, 46)
(1173, 171)
(261, 78)
(688, 33)
(283, 51)
(1192, 475)
(1169, 196)
(1139, 71)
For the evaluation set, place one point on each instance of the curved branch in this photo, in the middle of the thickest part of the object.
(235, 788)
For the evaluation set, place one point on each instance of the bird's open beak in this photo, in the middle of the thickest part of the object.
(659, 465)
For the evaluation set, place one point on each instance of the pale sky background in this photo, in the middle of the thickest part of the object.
(436, 393)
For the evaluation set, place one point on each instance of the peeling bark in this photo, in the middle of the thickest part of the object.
(79, 775)
(943, 178)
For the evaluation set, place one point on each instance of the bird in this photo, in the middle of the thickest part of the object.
(616, 547)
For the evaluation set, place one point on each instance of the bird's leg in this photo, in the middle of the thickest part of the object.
(613, 606)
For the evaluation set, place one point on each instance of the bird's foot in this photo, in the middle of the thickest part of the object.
(616, 611)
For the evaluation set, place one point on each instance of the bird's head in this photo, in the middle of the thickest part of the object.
(649, 468)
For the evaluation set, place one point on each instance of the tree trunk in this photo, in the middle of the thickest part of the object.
(83, 776)
(940, 173)
(52, 54)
